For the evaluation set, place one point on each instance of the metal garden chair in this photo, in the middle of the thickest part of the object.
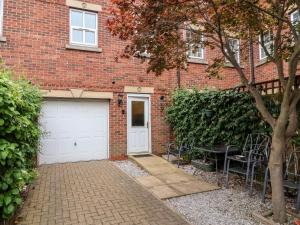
(291, 177)
(255, 151)
(180, 151)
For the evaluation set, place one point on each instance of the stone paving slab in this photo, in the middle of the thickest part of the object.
(167, 181)
(92, 193)
(164, 191)
(149, 181)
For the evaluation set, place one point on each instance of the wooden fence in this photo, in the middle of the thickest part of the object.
(270, 87)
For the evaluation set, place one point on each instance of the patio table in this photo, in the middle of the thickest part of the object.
(216, 151)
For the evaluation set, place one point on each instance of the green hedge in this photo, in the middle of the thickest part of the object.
(20, 105)
(215, 117)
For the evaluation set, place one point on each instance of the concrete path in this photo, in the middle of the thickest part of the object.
(166, 180)
(90, 193)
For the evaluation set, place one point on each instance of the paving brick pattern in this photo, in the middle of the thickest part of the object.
(89, 193)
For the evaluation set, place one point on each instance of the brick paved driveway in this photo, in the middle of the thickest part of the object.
(92, 193)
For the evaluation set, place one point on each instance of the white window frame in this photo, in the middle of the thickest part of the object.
(83, 28)
(293, 20)
(261, 49)
(191, 46)
(293, 15)
(1, 16)
(237, 54)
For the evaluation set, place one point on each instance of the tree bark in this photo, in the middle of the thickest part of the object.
(276, 171)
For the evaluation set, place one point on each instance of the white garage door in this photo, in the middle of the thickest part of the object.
(74, 131)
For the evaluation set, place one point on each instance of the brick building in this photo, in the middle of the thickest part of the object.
(97, 104)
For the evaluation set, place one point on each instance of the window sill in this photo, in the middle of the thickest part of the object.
(262, 62)
(2, 39)
(229, 65)
(83, 48)
(197, 61)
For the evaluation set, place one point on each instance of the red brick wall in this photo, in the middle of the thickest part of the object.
(263, 71)
(37, 32)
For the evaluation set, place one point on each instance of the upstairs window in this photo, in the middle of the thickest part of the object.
(1, 17)
(234, 45)
(196, 51)
(267, 40)
(295, 20)
(83, 28)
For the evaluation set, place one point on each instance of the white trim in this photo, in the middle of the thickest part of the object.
(108, 131)
(1, 16)
(260, 49)
(83, 28)
(149, 118)
(292, 16)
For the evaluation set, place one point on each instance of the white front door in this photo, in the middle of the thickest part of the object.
(138, 125)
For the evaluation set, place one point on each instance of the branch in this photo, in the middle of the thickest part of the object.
(230, 55)
(266, 11)
(293, 115)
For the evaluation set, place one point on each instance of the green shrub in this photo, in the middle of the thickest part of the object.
(20, 105)
(215, 117)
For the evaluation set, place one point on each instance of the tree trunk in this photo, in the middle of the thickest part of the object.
(276, 172)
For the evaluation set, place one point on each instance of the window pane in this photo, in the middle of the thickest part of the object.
(267, 37)
(295, 17)
(137, 113)
(263, 53)
(188, 35)
(76, 18)
(90, 20)
(77, 36)
(90, 37)
(268, 43)
(234, 46)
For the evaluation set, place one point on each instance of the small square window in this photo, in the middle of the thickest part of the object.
(83, 28)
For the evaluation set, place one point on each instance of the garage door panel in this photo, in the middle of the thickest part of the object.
(74, 131)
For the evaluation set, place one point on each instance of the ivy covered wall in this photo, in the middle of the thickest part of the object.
(215, 117)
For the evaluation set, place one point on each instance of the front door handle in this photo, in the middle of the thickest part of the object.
(147, 124)
(75, 144)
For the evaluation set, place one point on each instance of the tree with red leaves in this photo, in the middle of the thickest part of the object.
(156, 27)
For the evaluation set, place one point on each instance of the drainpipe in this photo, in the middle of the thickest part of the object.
(178, 72)
(251, 59)
(178, 75)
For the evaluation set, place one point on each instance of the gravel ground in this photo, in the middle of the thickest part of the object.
(224, 206)
(231, 206)
(131, 168)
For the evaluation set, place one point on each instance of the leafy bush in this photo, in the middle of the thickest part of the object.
(215, 117)
(19, 138)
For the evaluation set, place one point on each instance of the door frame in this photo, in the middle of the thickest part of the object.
(148, 96)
